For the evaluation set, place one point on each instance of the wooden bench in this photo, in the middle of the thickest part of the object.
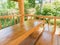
(14, 35)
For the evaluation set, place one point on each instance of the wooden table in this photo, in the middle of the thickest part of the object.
(14, 35)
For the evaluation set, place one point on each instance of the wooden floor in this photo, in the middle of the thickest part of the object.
(32, 38)
(18, 33)
(46, 38)
(12, 33)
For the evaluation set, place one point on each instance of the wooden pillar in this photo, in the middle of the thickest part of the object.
(21, 10)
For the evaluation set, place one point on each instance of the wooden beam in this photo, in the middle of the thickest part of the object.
(21, 10)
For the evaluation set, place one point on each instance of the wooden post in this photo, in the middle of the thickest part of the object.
(54, 25)
(0, 24)
(21, 10)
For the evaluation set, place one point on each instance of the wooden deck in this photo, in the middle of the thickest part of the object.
(31, 40)
(46, 38)
(25, 34)
(14, 35)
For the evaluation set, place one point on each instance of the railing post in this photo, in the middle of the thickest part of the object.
(54, 30)
(43, 23)
(0, 24)
(49, 24)
(54, 25)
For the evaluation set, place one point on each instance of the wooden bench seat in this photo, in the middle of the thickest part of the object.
(14, 35)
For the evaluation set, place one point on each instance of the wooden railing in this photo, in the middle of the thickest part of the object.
(6, 21)
(44, 18)
(16, 19)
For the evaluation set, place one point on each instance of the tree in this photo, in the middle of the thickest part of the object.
(11, 4)
(47, 10)
(31, 3)
(57, 7)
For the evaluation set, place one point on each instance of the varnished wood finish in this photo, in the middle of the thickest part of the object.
(54, 25)
(16, 34)
(56, 40)
(45, 39)
(49, 17)
(0, 26)
(31, 39)
(21, 10)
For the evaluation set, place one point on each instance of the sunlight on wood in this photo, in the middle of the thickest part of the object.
(10, 34)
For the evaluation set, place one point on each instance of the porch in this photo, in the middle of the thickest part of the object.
(30, 30)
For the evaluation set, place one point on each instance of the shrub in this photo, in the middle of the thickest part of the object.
(37, 10)
(57, 22)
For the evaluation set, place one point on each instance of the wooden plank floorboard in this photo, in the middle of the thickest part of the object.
(32, 38)
(18, 33)
(28, 41)
(45, 39)
(56, 40)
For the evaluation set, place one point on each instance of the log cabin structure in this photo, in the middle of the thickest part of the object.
(28, 32)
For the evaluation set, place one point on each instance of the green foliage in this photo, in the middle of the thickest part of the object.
(26, 6)
(57, 7)
(37, 10)
(9, 22)
(3, 12)
(57, 22)
(31, 3)
(46, 10)
(11, 4)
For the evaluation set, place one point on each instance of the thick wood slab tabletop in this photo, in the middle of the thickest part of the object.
(14, 35)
